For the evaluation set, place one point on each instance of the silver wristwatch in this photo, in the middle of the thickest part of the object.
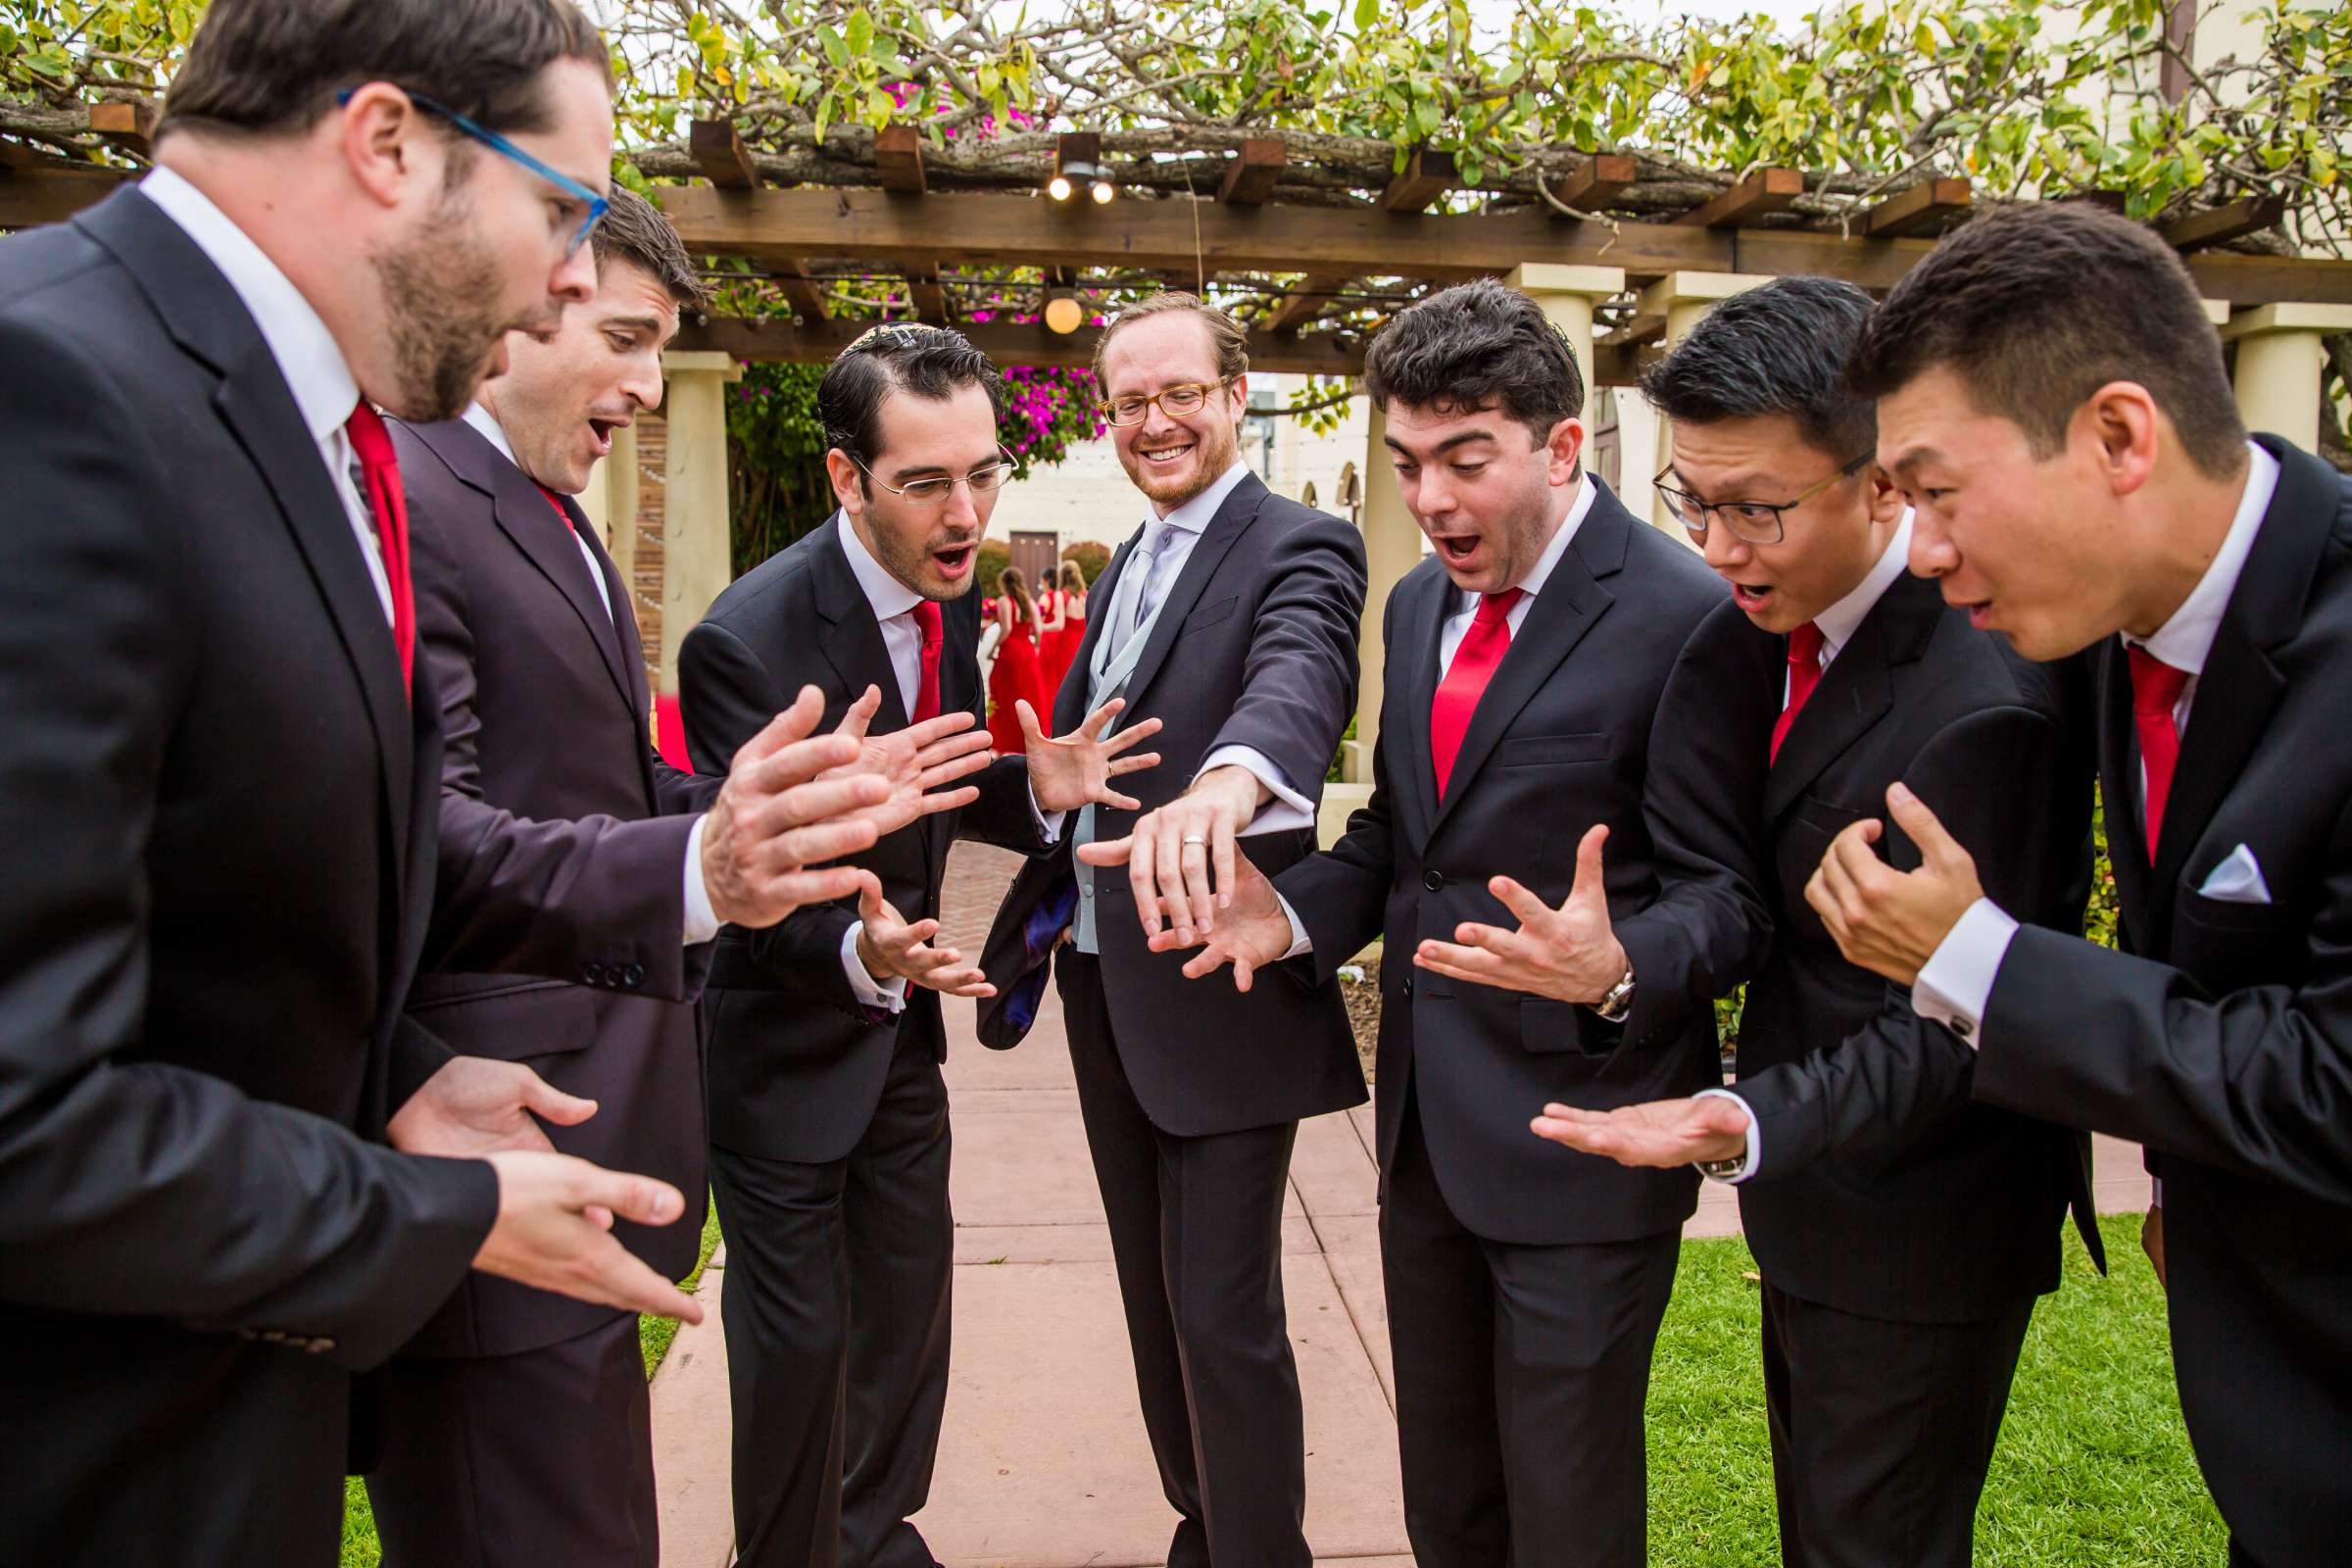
(1618, 1000)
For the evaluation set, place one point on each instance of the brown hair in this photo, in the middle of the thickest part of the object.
(1010, 581)
(1225, 335)
(633, 230)
(1471, 345)
(1072, 578)
(274, 67)
(2036, 306)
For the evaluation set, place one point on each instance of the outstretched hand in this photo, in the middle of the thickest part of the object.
(1663, 1133)
(1570, 954)
(1182, 858)
(915, 761)
(888, 945)
(476, 1105)
(1892, 922)
(553, 1232)
(783, 810)
(1070, 771)
(1252, 933)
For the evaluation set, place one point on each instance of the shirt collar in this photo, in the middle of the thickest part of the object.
(2184, 640)
(888, 597)
(1199, 512)
(1562, 536)
(1839, 623)
(307, 354)
(486, 422)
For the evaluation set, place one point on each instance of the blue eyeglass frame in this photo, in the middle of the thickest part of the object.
(598, 206)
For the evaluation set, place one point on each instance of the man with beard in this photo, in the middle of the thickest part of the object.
(1526, 660)
(518, 1425)
(217, 782)
(828, 1115)
(1231, 616)
(2083, 479)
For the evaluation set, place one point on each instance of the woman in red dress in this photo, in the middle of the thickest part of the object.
(1017, 675)
(1066, 630)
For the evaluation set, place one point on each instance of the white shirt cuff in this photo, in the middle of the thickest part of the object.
(1287, 812)
(890, 995)
(1755, 1139)
(1049, 823)
(1955, 985)
(702, 922)
(1300, 941)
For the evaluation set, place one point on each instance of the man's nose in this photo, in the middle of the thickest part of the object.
(574, 279)
(1724, 549)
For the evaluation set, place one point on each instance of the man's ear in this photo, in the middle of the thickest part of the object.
(1567, 448)
(849, 481)
(381, 136)
(1887, 500)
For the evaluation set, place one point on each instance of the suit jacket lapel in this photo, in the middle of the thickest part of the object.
(1857, 691)
(852, 638)
(1419, 631)
(1232, 521)
(2119, 795)
(539, 532)
(1573, 599)
(2240, 687)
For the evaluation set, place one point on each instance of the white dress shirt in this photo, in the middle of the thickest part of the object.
(1837, 625)
(1456, 626)
(702, 920)
(306, 352)
(1955, 984)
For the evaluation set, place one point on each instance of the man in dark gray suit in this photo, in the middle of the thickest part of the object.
(1231, 616)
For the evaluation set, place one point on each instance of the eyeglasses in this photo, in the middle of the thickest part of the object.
(1757, 523)
(1175, 402)
(597, 204)
(932, 490)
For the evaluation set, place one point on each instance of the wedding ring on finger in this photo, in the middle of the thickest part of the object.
(1194, 841)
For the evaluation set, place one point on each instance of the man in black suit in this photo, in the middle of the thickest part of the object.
(516, 1424)
(1526, 659)
(1902, 1243)
(828, 1114)
(1231, 616)
(218, 786)
(2083, 479)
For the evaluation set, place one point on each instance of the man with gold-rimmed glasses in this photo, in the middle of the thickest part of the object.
(828, 1114)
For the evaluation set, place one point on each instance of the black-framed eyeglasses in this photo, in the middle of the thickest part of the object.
(1175, 402)
(936, 489)
(597, 204)
(1758, 523)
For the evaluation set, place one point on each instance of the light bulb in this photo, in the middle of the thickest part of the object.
(1063, 315)
(1103, 191)
(1058, 188)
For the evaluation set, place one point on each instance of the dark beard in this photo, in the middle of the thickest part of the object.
(442, 333)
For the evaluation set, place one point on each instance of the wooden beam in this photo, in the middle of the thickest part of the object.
(2106, 201)
(1616, 364)
(129, 126)
(1006, 343)
(899, 159)
(1250, 177)
(2239, 218)
(801, 292)
(1305, 301)
(1602, 179)
(1767, 190)
(724, 160)
(930, 296)
(33, 192)
(1927, 207)
(1427, 175)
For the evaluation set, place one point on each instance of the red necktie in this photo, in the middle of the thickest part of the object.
(556, 502)
(1474, 664)
(926, 684)
(1804, 674)
(379, 468)
(2156, 689)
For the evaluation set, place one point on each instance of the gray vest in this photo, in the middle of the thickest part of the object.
(1108, 673)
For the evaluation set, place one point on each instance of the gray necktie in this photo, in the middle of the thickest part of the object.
(1146, 601)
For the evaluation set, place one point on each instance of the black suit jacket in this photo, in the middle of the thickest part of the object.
(1255, 645)
(2223, 1039)
(1883, 1191)
(219, 812)
(796, 1061)
(1567, 734)
(550, 787)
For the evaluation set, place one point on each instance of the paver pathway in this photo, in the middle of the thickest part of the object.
(1044, 1462)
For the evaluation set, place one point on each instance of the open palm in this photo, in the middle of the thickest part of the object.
(915, 761)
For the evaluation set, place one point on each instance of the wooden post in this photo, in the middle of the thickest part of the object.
(695, 531)
(1391, 548)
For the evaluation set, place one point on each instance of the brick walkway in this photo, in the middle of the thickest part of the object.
(1044, 1463)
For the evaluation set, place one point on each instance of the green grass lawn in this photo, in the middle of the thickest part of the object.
(2093, 1466)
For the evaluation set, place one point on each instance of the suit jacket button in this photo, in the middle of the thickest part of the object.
(1433, 881)
(593, 974)
(633, 977)
(1408, 985)
(319, 1346)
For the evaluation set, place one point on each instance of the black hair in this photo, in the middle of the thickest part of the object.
(1473, 344)
(1779, 348)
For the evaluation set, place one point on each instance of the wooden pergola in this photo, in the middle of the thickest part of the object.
(1621, 266)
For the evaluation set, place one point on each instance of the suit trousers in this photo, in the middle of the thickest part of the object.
(544, 1456)
(1521, 1375)
(836, 1306)
(1882, 1431)
(1196, 1232)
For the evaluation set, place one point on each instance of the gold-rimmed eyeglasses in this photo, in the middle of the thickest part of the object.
(937, 488)
(1173, 401)
(1758, 523)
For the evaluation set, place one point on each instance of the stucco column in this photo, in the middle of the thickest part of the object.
(695, 543)
(1391, 548)
(2279, 367)
(1682, 300)
(610, 499)
(1568, 296)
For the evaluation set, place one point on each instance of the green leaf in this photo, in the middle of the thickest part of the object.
(860, 30)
